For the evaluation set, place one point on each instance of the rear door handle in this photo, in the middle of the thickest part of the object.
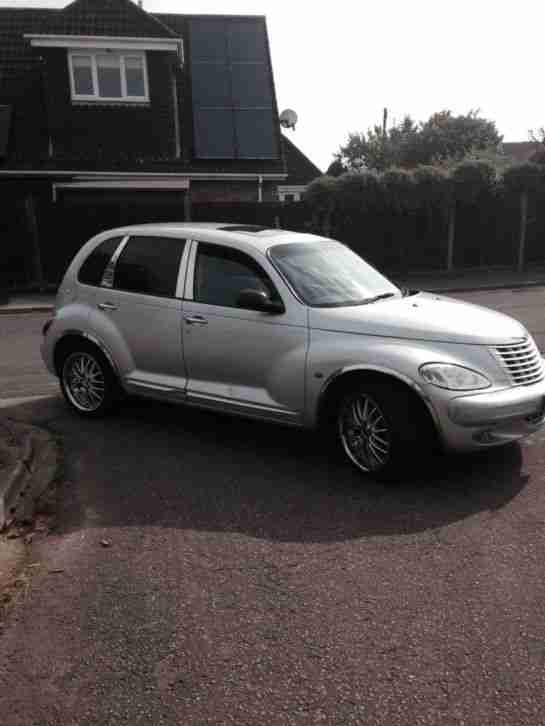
(195, 320)
(107, 306)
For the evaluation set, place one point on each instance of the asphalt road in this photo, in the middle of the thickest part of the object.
(22, 372)
(524, 304)
(253, 578)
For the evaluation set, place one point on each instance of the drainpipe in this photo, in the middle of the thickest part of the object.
(176, 109)
(187, 204)
(259, 188)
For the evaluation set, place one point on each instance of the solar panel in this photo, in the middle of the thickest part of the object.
(251, 85)
(214, 132)
(247, 40)
(255, 133)
(232, 89)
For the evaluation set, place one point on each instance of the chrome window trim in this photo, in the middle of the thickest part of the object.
(120, 237)
(109, 273)
(182, 269)
(190, 274)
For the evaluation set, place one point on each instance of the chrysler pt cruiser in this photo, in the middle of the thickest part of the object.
(291, 328)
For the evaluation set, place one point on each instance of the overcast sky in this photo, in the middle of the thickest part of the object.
(338, 64)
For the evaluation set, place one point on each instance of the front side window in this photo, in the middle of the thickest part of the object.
(92, 270)
(149, 266)
(221, 273)
(328, 274)
(108, 76)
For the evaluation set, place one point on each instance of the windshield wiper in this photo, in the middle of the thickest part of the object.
(378, 297)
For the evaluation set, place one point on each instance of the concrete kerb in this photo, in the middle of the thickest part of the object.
(435, 285)
(29, 476)
(485, 288)
(25, 309)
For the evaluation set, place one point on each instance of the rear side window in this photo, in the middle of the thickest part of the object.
(92, 270)
(149, 266)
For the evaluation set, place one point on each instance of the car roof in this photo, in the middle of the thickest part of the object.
(249, 236)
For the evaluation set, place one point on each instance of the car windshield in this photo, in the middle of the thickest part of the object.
(328, 274)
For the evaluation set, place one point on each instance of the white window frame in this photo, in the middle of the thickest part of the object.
(95, 98)
(294, 189)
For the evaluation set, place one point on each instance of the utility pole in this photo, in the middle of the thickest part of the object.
(384, 122)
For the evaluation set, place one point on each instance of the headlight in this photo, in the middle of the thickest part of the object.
(453, 377)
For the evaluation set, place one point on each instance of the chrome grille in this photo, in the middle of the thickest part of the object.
(522, 361)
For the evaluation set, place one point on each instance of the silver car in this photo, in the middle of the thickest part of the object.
(291, 328)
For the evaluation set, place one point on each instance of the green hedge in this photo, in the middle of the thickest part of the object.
(404, 220)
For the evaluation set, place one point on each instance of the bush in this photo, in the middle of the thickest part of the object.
(538, 157)
(320, 192)
(431, 186)
(472, 179)
(524, 177)
(359, 192)
(399, 189)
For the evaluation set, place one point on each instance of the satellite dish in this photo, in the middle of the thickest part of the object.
(288, 119)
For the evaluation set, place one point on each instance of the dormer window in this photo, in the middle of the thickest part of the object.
(107, 76)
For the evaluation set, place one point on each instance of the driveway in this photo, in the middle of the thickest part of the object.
(251, 578)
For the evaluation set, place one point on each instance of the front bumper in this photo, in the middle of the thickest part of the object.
(492, 418)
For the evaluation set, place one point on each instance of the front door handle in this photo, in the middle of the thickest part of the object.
(195, 320)
(107, 306)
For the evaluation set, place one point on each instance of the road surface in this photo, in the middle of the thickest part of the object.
(209, 570)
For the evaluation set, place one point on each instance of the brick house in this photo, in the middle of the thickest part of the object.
(519, 151)
(300, 170)
(110, 114)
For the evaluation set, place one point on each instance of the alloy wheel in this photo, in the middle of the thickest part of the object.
(84, 382)
(365, 433)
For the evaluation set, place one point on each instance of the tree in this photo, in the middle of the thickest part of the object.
(442, 138)
(538, 137)
(445, 136)
(375, 150)
(336, 168)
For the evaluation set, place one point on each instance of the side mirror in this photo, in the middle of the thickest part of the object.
(259, 300)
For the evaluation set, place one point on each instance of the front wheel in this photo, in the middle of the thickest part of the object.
(380, 428)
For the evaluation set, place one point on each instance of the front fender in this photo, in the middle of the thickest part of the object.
(333, 354)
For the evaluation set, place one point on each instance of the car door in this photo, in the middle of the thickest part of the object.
(139, 311)
(242, 360)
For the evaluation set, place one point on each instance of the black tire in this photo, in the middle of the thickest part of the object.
(393, 431)
(87, 380)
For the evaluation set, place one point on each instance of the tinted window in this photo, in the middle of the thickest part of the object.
(149, 265)
(221, 273)
(92, 270)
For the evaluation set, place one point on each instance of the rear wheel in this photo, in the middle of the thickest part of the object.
(381, 428)
(87, 381)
